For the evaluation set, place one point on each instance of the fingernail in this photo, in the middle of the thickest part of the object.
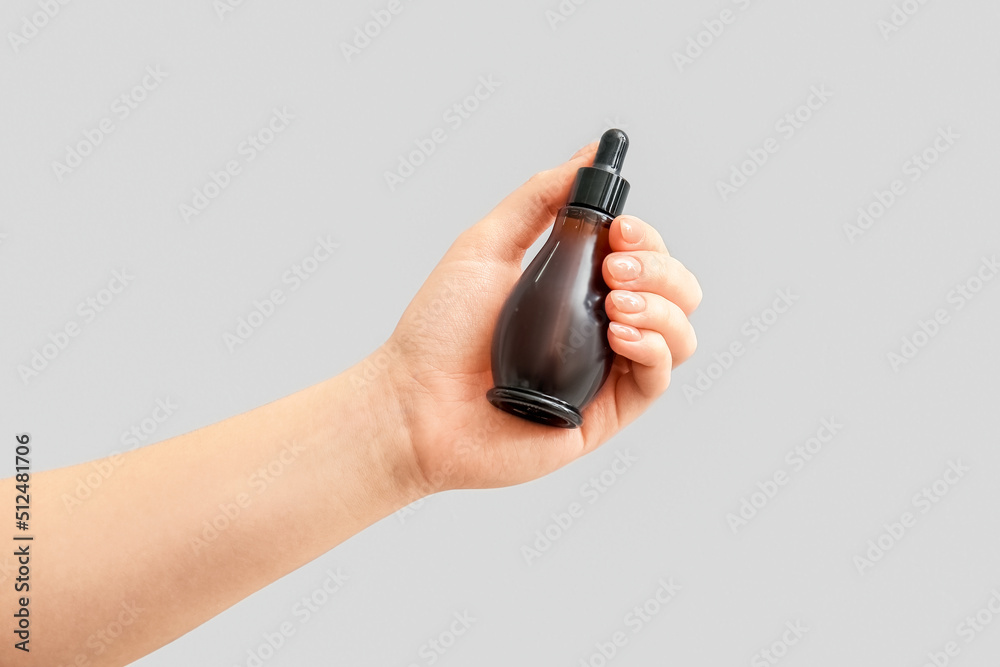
(625, 332)
(631, 231)
(628, 302)
(624, 268)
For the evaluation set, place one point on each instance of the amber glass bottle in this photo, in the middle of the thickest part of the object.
(550, 352)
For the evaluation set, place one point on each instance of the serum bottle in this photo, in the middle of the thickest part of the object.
(550, 352)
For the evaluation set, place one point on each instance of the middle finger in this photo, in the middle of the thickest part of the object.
(657, 272)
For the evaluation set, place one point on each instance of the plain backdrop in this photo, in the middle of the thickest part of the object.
(890, 334)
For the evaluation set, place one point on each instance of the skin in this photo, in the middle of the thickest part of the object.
(138, 564)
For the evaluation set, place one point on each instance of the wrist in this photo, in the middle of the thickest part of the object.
(384, 434)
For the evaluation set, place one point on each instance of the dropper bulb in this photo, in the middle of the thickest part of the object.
(601, 186)
(611, 151)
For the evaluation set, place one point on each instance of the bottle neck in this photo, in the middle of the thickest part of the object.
(589, 211)
(599, 189)
(578, 221)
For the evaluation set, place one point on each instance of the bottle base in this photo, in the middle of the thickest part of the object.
(535, 406)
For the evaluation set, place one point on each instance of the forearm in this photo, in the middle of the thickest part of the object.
(185, 528)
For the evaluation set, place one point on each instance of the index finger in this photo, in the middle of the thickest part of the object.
(630, 233)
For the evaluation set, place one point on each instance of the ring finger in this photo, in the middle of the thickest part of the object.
(646, 310)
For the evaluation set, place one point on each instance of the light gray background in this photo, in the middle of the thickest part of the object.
(608, 63)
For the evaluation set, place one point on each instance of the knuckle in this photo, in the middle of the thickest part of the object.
(687, 351)
(658, 240)
(665, 356)
(668, 311)
(698, 294)
(659, 345)
(537, 176)
(667, 267)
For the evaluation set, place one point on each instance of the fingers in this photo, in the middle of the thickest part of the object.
(630, 237)
(651, 271)
(589, 148)
(652, 295)
(649, 354)
(523, 215)
(646, 310)
(630, 233)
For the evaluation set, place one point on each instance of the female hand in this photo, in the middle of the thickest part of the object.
(439, 354)
(344, 453)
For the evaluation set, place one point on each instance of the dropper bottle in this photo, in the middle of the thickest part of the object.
(550, 352)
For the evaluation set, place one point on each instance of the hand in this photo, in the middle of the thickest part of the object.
(438, 357)
(410, 420)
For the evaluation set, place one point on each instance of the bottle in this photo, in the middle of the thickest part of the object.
(550, 352)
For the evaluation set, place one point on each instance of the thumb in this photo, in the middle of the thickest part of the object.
(524, 214)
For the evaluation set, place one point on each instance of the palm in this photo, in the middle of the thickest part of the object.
(444, 338)
(439, 353)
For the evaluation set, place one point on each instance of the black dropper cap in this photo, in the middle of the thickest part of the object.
(602, 186)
